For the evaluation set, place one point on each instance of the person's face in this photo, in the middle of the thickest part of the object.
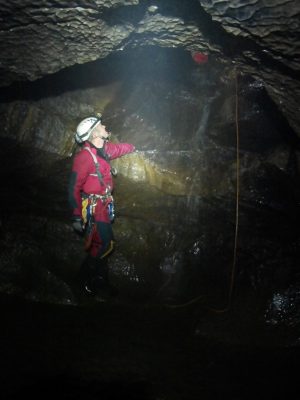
(101, 132)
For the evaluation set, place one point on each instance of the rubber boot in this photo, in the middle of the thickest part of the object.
(101, 279)
(93, 277)
(86, 275)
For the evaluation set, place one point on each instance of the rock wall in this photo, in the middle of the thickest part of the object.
(260, 38)
(175, 198)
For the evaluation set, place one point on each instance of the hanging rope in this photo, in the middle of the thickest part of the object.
(233, 269)
(237, 189)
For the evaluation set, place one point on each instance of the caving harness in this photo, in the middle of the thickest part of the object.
(89, 202)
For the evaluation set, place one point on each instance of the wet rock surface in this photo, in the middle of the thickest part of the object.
(177, 194)
(259, 38)
(172, 331)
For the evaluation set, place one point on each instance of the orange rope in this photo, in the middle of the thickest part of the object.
(233, 269)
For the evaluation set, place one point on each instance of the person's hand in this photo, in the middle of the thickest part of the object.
(77, 225)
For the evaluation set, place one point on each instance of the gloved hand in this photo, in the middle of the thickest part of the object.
(78, 225)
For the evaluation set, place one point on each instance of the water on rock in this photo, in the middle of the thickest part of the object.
(175, 229)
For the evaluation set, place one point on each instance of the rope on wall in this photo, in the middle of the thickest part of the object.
(234, 262)
(233, 269)
(237, 189)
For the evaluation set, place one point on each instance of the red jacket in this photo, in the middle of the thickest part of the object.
(84, 177)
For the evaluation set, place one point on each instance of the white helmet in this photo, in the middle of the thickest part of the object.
(85, 128)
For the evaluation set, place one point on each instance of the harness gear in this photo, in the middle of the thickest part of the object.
(98, 173)
(89, 202)
(107, 198)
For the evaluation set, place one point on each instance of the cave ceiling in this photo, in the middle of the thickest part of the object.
(259, 37)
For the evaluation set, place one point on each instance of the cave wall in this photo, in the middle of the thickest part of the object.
(177, 193)
(260, 38)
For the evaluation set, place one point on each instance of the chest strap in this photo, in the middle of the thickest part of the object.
(100, 176)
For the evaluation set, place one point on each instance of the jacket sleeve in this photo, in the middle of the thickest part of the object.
(115, 150)
(80, 172)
